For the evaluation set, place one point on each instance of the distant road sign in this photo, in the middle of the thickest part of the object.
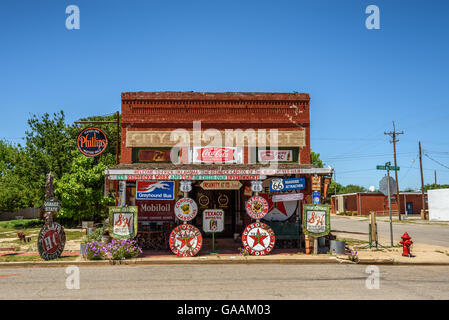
(383, 186)
(388, 167)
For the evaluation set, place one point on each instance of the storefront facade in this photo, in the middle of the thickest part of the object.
(218, 143)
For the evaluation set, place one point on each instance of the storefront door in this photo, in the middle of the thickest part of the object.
(218, 199)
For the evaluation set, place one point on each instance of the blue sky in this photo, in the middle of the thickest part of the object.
(359, 80)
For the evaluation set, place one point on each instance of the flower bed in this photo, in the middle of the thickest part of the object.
(115, 250)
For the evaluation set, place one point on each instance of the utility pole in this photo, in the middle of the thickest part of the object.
(423, 211)
(393, 135)
(435, 178)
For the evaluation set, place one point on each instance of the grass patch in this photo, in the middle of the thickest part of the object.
(21, 224)
(34, 258)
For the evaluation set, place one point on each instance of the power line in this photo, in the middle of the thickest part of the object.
(436, 161)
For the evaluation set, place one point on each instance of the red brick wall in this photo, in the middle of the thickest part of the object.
(172, 110)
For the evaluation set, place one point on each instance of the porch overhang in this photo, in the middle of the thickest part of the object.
(168, 171)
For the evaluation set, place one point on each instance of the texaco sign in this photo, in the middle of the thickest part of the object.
(257, 207)
(51, 241)
(185, 240)
(186, 209)
(258, 239)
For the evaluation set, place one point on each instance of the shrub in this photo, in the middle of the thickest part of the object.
(95, 235)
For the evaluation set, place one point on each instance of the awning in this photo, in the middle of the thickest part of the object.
(168, 171)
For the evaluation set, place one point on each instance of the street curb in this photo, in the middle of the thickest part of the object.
(184, 261)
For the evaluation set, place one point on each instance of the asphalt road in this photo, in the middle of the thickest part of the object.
(192, 282)
(420, 233)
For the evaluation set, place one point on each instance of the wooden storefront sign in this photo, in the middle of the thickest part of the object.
(221, 185)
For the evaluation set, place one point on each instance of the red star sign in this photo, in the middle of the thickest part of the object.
(275, 205)
(185, 241)
(258, 239)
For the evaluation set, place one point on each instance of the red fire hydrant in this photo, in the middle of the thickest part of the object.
(406, 243)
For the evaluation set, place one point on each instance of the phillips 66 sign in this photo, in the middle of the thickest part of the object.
(316, 220)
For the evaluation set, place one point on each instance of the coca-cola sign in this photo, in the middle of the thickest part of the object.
(217, 155)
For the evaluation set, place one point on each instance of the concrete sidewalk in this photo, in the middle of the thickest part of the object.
(424, 255)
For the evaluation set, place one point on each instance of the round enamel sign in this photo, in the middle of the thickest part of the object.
(92, 142)
(257, 207)
(185, 240)
(186, 209)
(51, 241)
(258, 239)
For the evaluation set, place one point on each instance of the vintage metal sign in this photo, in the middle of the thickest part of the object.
(186, 209)
(92, 142)
(213, 220)
(258, 239)
(316, 183)
(52, 205)
(275, 155)
(185, 240)
(217, 154)
(316, 220)
(221, 185)
(51, 241)
(137, 177)
(225, 172)
(257, 207)
(316, 197)
(185, 185)
(287, 184)
(279, 210)
(256, 186)
(123, 222)
(287, 197)
(155, 190)
(155, 210)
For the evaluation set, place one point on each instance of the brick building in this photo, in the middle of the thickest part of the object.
(176, 136)
(364, 202)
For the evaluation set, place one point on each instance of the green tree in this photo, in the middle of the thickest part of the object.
(315, 159)
(81, 189)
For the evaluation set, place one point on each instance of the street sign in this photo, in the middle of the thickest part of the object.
(383, 186)
(51, 205)
(388, 166)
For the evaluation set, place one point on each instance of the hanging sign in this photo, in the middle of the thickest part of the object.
(123, 222)
(213, 220)
(221, 185)
(316, 197)
(316, 220)
(258, 239)
(287, 184)
(287, 197)
(185, 185)
(185, 240)
(256, 186)
(92, 142)
(316, 183)
(155, 190)
(51, 241)
(186, 209)
(223, 200)
(155, 210)
(257, 207)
